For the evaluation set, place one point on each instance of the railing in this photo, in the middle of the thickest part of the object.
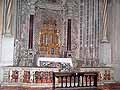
(74, 80)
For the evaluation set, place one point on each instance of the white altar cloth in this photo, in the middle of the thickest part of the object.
(61, 60)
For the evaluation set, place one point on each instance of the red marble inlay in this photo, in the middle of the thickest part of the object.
(26, 77)
(14, 76)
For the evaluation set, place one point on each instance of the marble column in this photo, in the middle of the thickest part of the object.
(105, 17)
(1, 25)
(115, 38)
(105, 46)
(8, 17)
(7, 33)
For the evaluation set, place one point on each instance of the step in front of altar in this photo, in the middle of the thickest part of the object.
(32, 85)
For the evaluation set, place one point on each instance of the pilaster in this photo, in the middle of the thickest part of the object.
(115, 38)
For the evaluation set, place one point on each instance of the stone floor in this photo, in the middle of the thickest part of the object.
(112, 86)
(115, 86)
(22, 88)
(29, 88)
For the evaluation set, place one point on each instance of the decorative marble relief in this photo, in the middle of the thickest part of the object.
(104, 73)
(75, 37)
(14, 76)
(61, 66)
(43, 77)
(25, 75)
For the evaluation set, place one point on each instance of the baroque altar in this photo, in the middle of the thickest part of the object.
(60, 36)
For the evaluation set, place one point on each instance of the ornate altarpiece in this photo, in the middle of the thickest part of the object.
(86, 29)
